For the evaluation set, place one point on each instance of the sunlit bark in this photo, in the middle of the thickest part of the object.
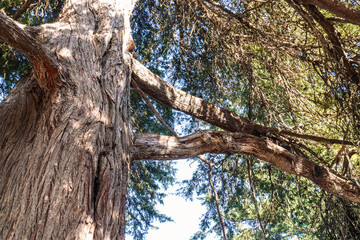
(65, 148)
(336, 7)
(46, 67)
(158, 89)
(155, 146)
(65, 135)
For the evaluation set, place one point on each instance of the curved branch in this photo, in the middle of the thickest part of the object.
(46, 66)
(337, 8)
(158, 89)
(155, 146)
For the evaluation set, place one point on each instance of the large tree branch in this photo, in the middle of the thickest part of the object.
(337, 8)
(336, 49)
(155, 146)
(44, 62)
(158, 89)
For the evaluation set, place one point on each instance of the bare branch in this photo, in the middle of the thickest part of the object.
(46, 67)
(216, 196)
(201, 157)
(336, 49)
(152, 108)
(155, 146)
(158, 89)
(253, 194)
(23, 8)
(337, 8)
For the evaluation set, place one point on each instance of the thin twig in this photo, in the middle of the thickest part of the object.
(252, 187)
(216, 196)
(202, 158)
(152, 108)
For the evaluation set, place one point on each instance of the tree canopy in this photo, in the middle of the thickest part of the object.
(287, 71)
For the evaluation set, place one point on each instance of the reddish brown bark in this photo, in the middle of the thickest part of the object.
(46, 67)
(66, 141)
(337, 8)
(154, 146)
(158, 89)
(65, 152)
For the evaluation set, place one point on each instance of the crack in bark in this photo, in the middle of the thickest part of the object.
(96, 184)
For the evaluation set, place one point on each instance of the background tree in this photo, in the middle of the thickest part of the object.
(283, 74)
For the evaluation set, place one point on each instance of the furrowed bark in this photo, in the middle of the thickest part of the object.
(158, 89)
(337, 8)
(64, 160)
(155, 146)
(46, 66)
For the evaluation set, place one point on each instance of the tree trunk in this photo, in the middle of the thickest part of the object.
(65, 146)
(65, 136)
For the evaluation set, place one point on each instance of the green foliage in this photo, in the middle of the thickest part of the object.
(10, 6)
(262, 56)
(265, 62)
(290, 207)
(146, 180)
(12, 63)
(143, 119)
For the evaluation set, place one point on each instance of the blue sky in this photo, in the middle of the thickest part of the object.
(186, 214)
